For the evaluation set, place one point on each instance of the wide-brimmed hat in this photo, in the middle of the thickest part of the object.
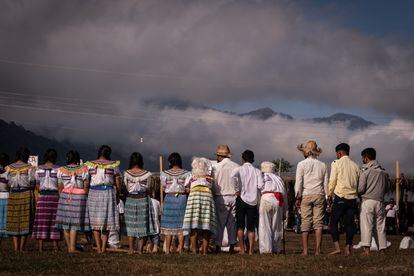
(310, 148)
(223, 150)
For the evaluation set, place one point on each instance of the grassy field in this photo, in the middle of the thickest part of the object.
(394, 262)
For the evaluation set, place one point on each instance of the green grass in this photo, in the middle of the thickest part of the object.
(394, 261)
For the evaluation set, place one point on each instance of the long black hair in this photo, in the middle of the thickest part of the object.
(50, 156)
(4, 159)
(174, 159)
(105, 151)
(136, 159)
(72, 157)
(23, 154)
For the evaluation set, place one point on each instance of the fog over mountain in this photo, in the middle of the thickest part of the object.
(196, 132)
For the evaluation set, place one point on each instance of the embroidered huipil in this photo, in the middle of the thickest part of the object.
(4, 186)
(206, 181)
(174, 180)
(73, 176)
(20, 176)
(137, 182)
(46, 177)
(103, 172)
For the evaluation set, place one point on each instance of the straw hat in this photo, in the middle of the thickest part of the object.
(223, 150)
(310, 148)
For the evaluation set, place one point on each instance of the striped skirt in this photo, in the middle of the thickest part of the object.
(200, 212)
(103, 211)
(45, 219)
(72, 212)
(20, 213)
(173, 214)
(139, 217)
(4, 196)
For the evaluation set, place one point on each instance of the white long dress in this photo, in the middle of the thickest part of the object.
(271, 212)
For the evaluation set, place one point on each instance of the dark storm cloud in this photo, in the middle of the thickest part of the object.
(201, 51)
(84, 69)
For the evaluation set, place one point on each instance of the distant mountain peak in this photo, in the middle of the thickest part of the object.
(168, 103)
(265, 113)
(353, 122)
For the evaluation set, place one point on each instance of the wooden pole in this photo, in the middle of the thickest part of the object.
(280, 166)
(397, 192)
(161, 189)
(397, 183)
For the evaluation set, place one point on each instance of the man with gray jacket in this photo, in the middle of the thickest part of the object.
(372, 186)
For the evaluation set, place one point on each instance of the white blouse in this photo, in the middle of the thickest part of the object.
(272, 183)
(175, 180)
(20, 176)
(103, 172)
(137, 182)
(206, 181)
(73, 176)
(46, 177)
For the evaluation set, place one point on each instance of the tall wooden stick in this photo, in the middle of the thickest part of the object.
(397, 183)
(280, 166)
(161, 189)
(397, 191)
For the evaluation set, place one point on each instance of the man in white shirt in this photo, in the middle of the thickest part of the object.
(225, 189)
(250, 179)
(311, 189)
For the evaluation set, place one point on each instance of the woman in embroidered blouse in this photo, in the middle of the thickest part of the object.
(47, 202)
(20, 210)
(173, 182)
(200, 214)
(102, 199)
(72, 214)
(4, 194)
(138, 207)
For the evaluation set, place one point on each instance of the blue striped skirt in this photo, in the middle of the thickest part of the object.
(72, 213)
(103, 211)
(172, 216)
(3, 213)
(139, 217)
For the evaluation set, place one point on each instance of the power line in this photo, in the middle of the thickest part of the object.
(99, 111)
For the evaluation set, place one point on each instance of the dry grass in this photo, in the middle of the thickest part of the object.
(393, 262)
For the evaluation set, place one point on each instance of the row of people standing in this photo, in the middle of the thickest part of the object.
(347, 183)
(83, 198)
(71, 198)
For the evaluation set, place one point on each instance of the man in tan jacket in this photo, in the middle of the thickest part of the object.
(343, 184)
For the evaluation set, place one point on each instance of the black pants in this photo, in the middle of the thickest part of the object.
(390, 225)
(246, 214)
(343, 209)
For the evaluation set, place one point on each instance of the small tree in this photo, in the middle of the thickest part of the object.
(284, 167)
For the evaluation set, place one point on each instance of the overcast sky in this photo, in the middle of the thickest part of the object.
(81, 67)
